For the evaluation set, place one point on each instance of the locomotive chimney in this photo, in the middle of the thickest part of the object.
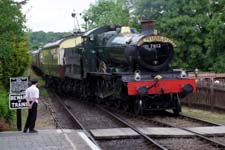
(147, 26)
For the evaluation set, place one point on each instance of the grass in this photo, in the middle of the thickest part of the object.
(7, 116)
(44, 93)
(41, 83)
(206, 115)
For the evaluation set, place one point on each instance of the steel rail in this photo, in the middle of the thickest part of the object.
(133, 128)
(216, 143)
(195, 119)
(201, 120)
(49, 107)
(77, 121)
(219, 144)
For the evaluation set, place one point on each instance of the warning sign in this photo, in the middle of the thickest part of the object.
(17, 101)
(18, 84)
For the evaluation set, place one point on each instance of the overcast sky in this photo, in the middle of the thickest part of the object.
(53, 15)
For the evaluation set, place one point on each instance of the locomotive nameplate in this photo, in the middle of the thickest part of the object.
(150, 39)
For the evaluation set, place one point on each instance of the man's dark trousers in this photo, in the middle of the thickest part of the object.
(31, 119)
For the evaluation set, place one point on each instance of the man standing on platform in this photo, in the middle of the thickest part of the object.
(32, 95)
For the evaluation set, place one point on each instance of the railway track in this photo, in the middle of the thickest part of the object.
(165, 119)
(196, 140)
(199, 141)
(76, 120)
(79, 123)
(91, 117)
(60, 115)
(180, 120)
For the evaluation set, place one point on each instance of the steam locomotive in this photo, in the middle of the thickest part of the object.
(117, 66)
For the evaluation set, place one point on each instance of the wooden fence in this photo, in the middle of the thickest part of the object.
(210, 94)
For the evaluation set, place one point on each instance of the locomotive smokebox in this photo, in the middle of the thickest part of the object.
(147, 26)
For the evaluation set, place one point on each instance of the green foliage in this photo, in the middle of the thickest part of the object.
(197, 27)
(38, 39)
(219, 66)
(5, 112)
(107, 12)
(14, 56)
(216, 40)
(212, 116)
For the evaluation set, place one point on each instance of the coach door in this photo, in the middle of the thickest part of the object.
(72, 61)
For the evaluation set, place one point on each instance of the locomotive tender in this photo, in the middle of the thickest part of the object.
(117, 66)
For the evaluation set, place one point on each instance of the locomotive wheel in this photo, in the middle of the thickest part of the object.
(99, 100)
(117, 104)
(138, 107)
(177, 104)
(125, 106)
(46, 82)
(108, 103)
(58, 89)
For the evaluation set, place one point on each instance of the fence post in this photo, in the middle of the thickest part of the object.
(212, 94)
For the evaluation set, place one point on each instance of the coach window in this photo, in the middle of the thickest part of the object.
(74, 51)
(91, 38)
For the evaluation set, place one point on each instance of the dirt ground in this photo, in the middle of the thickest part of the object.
(4, 126)
(44, 118)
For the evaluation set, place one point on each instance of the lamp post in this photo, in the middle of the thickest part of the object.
(74, 15)
(86, 22)
(196, 73)
(76, 28)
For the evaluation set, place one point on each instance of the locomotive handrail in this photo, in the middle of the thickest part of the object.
(154, 84)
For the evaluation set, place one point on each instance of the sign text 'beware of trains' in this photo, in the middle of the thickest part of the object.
(18, 85)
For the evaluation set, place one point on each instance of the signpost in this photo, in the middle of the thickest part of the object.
(17, 100)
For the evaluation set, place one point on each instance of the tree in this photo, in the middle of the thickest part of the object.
(197, 27)
(14, 56)
(107, 12)
(215, 39)
(38, 39)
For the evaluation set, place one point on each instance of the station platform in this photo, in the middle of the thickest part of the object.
(57, 139)
(53, 139)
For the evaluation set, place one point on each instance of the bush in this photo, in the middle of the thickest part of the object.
(5, 112)
(14, 54)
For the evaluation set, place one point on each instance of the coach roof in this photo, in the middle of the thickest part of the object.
(58, 42)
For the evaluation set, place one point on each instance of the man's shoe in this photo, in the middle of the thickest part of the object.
(25, 131)
(33, 131)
